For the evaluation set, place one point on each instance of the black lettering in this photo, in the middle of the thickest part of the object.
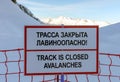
(61, 42)
(76, 56)
(63, 65)
(74, 34)
(47, 34)
(46, 57)
(61, 57)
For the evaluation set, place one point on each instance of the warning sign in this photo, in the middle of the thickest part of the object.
(56, 50)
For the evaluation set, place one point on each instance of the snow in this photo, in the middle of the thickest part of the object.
(110, 39)
(12, 22)
(71, 21)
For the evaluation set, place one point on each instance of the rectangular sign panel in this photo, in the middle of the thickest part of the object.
(58, 49)
(61, 38)
(67, 62)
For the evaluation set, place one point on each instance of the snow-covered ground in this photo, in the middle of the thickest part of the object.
(71, 21)
(12, 22)
(110, 39)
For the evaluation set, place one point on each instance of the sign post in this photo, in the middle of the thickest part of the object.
(62, 78)
(62, 75)
(56, 50)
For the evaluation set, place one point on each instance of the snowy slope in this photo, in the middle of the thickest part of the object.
(71, 21)
(110, 39)
(12, 21)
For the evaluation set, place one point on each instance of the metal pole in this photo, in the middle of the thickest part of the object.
(62, 78)
(57, 78)
(62, 75)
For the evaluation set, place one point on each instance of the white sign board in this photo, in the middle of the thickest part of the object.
(56, 50)
(61, 38)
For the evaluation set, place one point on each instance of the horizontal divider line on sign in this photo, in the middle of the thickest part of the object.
(62, 50)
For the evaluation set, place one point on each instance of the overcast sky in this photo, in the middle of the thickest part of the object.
(102, 10)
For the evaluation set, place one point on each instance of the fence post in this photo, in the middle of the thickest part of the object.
(57, 78)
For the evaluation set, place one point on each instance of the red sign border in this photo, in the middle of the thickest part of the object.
(88, 26)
